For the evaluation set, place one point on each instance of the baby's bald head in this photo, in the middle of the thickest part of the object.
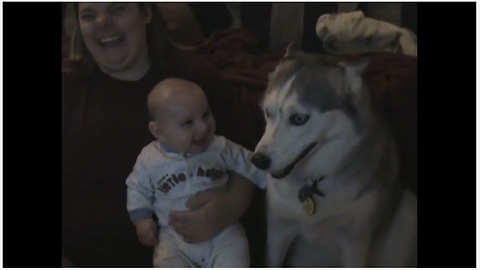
(182, 119)
(168, 91)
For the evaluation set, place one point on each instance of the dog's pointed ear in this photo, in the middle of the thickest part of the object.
(353, 72)
(355, 69)
(350, 109)
(292, 49)
(353, 77)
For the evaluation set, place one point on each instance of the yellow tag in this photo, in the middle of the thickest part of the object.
(309, 206)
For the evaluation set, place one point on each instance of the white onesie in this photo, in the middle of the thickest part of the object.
(163, 180)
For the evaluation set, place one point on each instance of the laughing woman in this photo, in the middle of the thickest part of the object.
(120, 51)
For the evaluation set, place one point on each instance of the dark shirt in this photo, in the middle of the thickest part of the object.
(103, 134)
(104, 128)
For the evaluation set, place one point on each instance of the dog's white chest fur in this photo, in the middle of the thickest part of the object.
(293, 209)
(315, 242)
(338, 233)
(319, 122)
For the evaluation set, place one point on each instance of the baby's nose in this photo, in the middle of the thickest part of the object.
(202, 129)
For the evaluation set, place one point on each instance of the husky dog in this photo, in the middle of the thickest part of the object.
(334, 197)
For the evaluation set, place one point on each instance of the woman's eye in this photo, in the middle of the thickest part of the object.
(298, 119)
(87, 17)
(118, 8)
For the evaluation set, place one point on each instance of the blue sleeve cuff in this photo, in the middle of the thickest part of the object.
(141, 213)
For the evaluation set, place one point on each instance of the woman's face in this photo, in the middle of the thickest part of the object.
(115, 34)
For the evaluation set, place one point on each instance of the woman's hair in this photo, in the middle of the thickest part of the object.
(157, 42)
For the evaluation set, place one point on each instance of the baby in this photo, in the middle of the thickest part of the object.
(186, 158)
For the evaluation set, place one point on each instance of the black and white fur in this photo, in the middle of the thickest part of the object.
(320, 123)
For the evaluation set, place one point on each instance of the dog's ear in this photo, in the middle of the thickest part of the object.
(353, 72)
(350, 109)
(354, 69)
(292, 49)
(353, 77)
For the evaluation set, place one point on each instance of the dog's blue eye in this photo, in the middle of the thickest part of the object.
(298, 119)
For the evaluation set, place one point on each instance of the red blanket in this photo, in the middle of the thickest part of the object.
(392, 79)
(235, 53)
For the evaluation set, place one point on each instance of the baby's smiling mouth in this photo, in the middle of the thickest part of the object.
(202, 142)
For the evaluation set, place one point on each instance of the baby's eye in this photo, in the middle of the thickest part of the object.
(206, 114)
(187, 123)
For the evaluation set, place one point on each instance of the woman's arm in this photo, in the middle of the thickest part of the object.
(211, 211)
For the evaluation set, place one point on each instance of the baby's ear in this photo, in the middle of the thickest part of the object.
(155, 130)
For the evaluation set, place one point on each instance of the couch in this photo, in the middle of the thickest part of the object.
(244, 48)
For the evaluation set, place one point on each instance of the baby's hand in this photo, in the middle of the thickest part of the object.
(147, 232)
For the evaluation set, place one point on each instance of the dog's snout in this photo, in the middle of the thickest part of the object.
(261, 161)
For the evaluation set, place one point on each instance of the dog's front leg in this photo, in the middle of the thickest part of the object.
(279, 238)
(355, 238)
(354, 252)
(355, 244)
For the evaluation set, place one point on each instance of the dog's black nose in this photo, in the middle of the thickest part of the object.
(261, 161)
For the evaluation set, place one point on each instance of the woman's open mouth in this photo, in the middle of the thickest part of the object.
(285, 171)
(111, 41)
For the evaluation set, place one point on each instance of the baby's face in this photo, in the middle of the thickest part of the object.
(186, 122)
